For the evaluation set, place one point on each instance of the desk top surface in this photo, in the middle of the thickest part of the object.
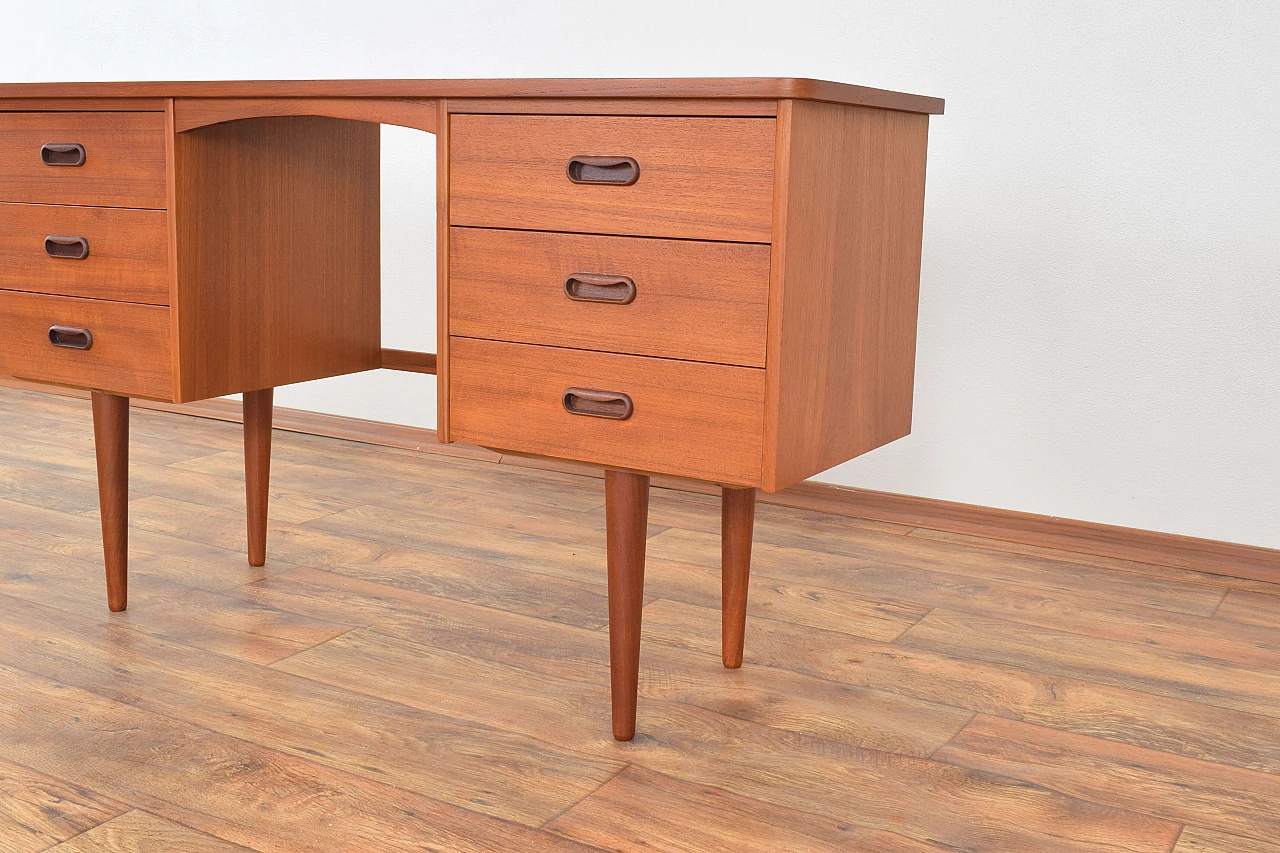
(654, 87)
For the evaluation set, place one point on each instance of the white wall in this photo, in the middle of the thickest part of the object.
(1100, 314)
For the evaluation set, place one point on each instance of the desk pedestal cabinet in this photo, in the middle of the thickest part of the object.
(712, 279)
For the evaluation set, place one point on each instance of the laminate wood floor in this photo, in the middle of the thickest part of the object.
(422, 665)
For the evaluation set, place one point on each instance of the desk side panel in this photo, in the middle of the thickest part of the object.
(277, 239)
(846, 284)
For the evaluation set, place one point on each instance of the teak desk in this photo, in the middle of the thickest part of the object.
(710, 278)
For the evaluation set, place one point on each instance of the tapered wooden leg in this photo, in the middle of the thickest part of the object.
(257, 469)
(111, 438)
(626, 507)
(737, 520)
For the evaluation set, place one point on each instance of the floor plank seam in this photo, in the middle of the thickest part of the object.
(274, 663)
(582, 799)
(271, 750)
(904, 631)
(951, 739)
(1218, 606)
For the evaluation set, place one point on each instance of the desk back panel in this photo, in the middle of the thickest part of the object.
(277, 244)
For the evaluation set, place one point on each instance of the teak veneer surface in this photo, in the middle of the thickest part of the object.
(124, 159)
(426, 655)
(674, 87)
(699, 178)
(277, 253)
(131, 353)
(845, 289)
(693, 300)
(128, 252)
(509, 396)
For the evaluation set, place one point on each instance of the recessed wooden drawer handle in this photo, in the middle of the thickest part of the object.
(598, 404)
(617, 171)
(75, 248)
(63, 154)
(589, 287)
(70, 337)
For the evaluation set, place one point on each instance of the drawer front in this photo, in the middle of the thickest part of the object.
(130, 353)
(123, 159)
(94, 252)
(697, 178)
(704, 421)
(673, 298)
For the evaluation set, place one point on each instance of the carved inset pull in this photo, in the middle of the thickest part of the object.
(590, 169)
(75, 248)
(62, 154)
(589, 287)
(598, 404)
(71, 337)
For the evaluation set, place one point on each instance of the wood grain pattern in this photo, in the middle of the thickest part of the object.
(80, 105)
(124, 164)
(1252, 608)
(130, 355)
(128, 252)
(140, 832)
(1225, 799)
(509, 396)
(257, 469)
(1196, 840)
(411, 362)
(845, 285)
(700, 178)
(278, 258)
(670, 87)
(191, 113)
(693, 300)
(111, 442)
(615, 106)
(441, 635)
(37, 811)
(737, 520)
(528, 781)
(639, 809)
(626, 500)
(1209, 681)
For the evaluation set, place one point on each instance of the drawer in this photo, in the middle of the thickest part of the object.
(690, 419)
(687, 299)
(123, 159)
(697, 178)
(130, 353)
(127, 260)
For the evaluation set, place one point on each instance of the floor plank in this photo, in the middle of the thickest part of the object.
(262, 799)
(488, 770)
(1251, 608)
(37, 812)
(1227, 799)
(1180, 726)
(871, 789)
(839, 556)
(642, 810)
(140, 832)
(1196, 840)
(423, 664)
(1164, 673)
